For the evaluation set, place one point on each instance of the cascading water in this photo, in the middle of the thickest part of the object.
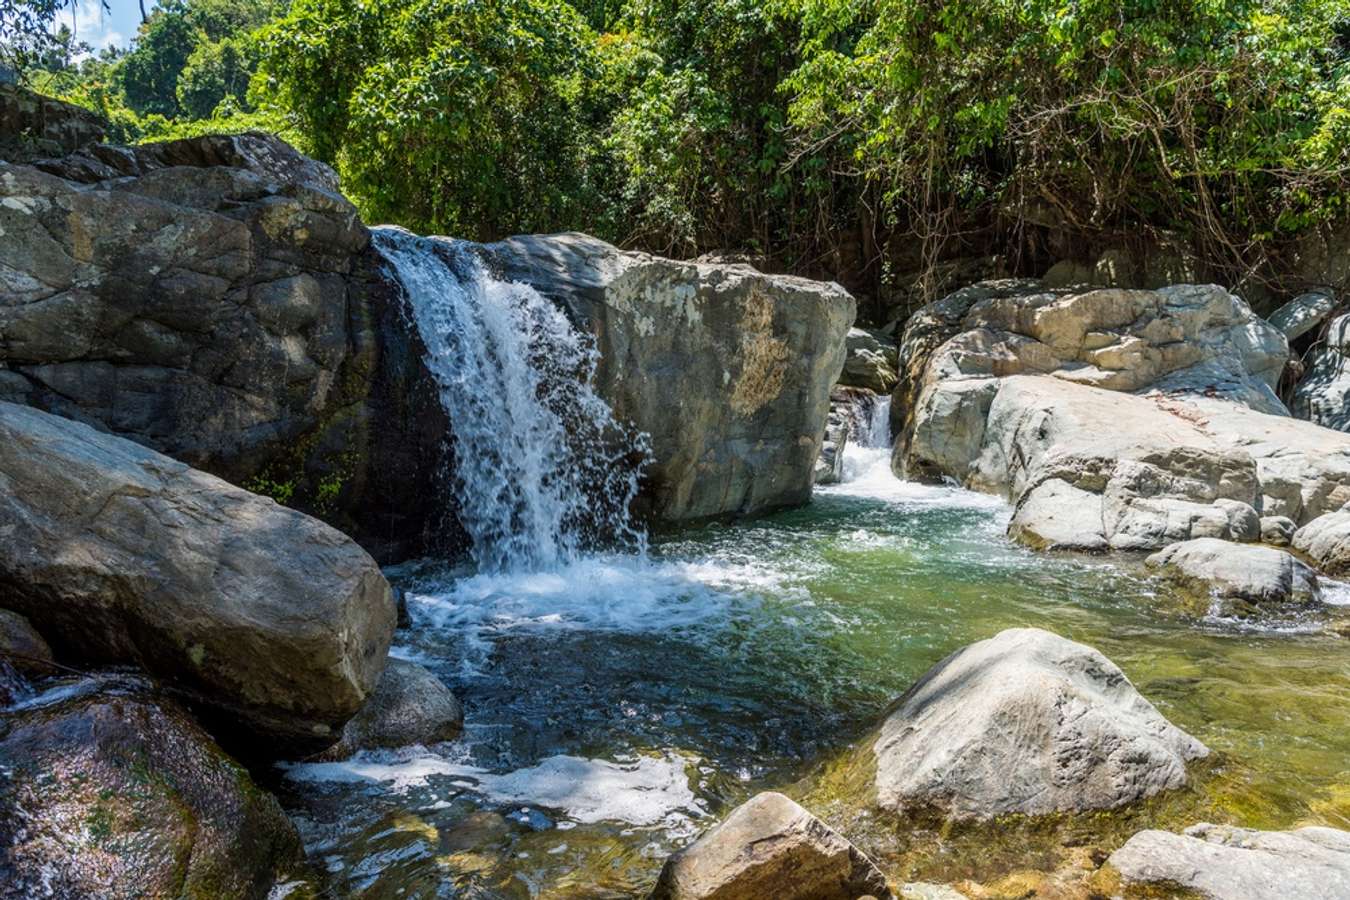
(543, 471)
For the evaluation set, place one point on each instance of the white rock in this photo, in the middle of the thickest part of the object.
(1304, 313)
(1238, 578)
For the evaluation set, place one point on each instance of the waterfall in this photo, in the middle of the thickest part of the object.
(543, 471)
(878, 432)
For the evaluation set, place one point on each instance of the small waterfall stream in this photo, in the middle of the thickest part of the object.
(542, 471)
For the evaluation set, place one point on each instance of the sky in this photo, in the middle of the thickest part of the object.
(100, 27)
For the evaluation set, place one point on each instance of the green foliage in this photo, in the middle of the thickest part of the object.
(149, 74)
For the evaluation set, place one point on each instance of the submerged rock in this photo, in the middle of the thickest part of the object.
(1326, 541)
(770, 847)
(1238, 579)
(114, 792)
(726, 368)
(266, 617)
(1026, 723)
(408, 706)
(1220, 862)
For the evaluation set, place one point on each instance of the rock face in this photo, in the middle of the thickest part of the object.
(215, 299)
(1326, 541)
(1323, 393)
(33, 126)
(115, 792)
(22, 647)
(1124, 420)
(728, 369)
(770, 847)
(1237, 579)
(121, 555)
(870, 363)
(830, 464)
(409, 706)
(1221, 862)
(1304, 313)
(1026, 723)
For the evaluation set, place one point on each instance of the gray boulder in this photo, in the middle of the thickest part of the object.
(1220, 862)
(870, 362)
(1326, 541)
(408, 706)
(1026, 723)
(1322, 395)
(1304, 313)
(1237, 579)
(770, 847)
(1278, 531)
(216, 299)
(726, 368)
(111, 790)
(118, 554)
(22, 647)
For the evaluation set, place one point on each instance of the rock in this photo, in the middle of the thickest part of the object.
(1304, 313)
(1322, 395)
(216, 299)
(475, 831)
(870, 362)
(1326, 541)
(1237, 579)
(1222, 862)
(1025, 723)
(408, 706)
(112, 791)
(770, 847)
(23, 647)
(1278, 531)
(118, 554)
(829, 467)
(33, 126)
(924, 890)
(728, 369)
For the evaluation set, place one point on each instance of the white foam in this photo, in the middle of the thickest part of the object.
(1335, 593)
(638, 790)
(867, 474)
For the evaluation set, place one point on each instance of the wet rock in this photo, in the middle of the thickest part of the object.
(23, 647)
(770, 847)
(727, 368)
(408, 706)
(1326, 541)
(216, 299)
(114, 792)
(1278, 531)
(268, 618)
(1304, 313)
(1027, 723)
(871, 361)
(830, 464)
(1237, 579)
(1322, 395)
(1221, 862)
(475, 831)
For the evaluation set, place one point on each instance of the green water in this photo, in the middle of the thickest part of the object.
(751, 657)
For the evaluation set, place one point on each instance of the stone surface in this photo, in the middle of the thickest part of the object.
(728, 369)
(1326, 541)
(216, 299)
(119, 554)
(408, 706)
(829, 467)
(33, 126)
(871, 361)
(1221, 862)
(770, 847)
(1304, 313)
(110, 790)
(23, 647)
(1028, 723)
(1278, 531)
(1322, 395)
(1237, 579)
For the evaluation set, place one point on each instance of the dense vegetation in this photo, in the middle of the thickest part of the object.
(827, 136)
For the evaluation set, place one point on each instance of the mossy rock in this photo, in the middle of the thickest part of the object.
(111, 790)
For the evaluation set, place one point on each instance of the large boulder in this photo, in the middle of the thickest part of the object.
(1322, 395)
(726, 368)
(870, 362)
(408, 706)
(1326, 541)
(1221, 862)
(111, 790)
(119, 554)
(1026, 723)
(216, 299)
(1304, 313)
(33, 126)
(770, 847)
(1237, 579)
